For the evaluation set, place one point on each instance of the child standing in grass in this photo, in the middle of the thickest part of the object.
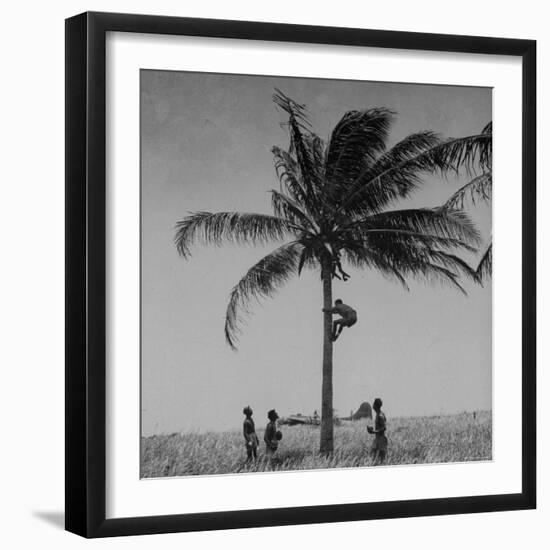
(380, 445)
(250, 437)
(270, 435)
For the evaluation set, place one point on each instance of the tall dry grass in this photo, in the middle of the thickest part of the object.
(415, 440)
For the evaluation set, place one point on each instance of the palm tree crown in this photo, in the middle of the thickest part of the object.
(333, 207)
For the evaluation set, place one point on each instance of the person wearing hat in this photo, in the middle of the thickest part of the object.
(271, 435)
(380, 444)
(250, 438)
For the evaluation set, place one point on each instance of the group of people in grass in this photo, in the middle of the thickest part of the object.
(273, 435)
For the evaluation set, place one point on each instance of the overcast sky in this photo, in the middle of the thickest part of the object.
(206, 143)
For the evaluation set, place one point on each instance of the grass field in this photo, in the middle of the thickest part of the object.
(417, 440)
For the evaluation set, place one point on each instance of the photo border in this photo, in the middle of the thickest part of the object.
(86, 274)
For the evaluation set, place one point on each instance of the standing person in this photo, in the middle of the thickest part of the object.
(271, 436)
(250, 437)
(348, 317)
(380, 445)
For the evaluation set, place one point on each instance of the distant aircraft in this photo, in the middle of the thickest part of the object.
(364, 411)
(299, 418)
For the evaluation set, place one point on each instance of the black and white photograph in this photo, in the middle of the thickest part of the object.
(274, 276)
(316, 274)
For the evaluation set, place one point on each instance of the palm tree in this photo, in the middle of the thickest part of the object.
(474, 153)
(332, 209)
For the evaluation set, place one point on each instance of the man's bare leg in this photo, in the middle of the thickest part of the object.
(334, 331)
(338, 330)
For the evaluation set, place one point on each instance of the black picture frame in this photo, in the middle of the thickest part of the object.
(86, 274)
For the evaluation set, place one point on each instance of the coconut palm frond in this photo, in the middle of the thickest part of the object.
(478, 189)
(318, 150)
(442, 222)
(467, 152)
(307, 259)
(262, 280)
(408, 149)
(409, 254)
(296, 110)
(214, 228)
(394, 175)
(356, 142)
(285, 207)
(413, 243)
(288, 173)
(429, 271)
(300, 141)
(435, 273)
(415, 238)
(454, 263)
(485, 266)
(358, 257)
(403, 261)
(290, 178)
(370, 192)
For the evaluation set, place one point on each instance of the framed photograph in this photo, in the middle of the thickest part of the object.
(300, 274)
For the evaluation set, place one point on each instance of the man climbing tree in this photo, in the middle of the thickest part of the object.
(348, 317)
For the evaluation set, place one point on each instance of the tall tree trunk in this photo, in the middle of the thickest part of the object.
(327, 424)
